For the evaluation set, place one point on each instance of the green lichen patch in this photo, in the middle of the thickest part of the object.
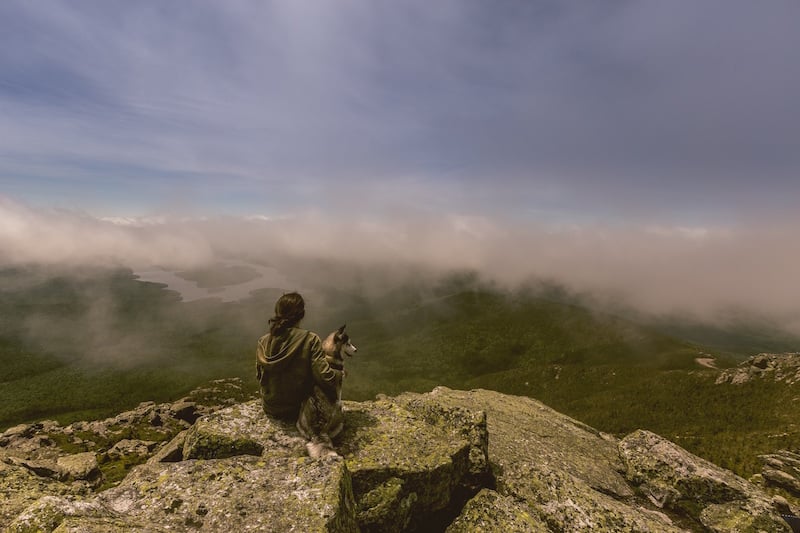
(563, 471)
(115, 470)
(567, 503)
(490, 511)
(385, 508)
(19, 488)
(675, 479)
(418, 462)
(740, 517)
(238, 494)
(242, 429)
(201, 445)
(105, 525)
(47, 513)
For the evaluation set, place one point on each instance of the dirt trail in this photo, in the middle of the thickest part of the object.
(708, 362)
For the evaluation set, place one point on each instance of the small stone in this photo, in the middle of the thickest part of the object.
(80, 466)
(781, 505)
(186, 411)
(129, 447)
(172, 451)
(22, 430)
(40, 468)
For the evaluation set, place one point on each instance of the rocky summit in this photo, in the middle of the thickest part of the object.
(447, 460)
(780, 367)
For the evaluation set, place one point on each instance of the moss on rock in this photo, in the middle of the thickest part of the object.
(490, 511)
(241, 429)
(105, 525)
(239, 494)
(410, 463)
(565, 473)
(47, 513)
(19, 488)
(385, 508)
(673, 478)
(428, 455)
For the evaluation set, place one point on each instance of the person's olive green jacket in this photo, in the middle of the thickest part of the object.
(288, 366)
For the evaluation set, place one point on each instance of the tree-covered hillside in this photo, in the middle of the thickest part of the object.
(92, 343)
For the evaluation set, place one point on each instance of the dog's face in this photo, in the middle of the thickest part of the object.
(343, 342)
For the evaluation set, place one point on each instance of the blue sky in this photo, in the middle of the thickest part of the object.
(675, 112)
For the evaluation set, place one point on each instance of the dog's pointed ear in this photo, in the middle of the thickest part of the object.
(341, 329)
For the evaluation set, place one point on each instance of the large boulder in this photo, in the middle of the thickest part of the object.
(21, 487)
(233, 494)
(406, 464)
(242, 429)
(50, 512)
(675, 479)
(782, 469)
(79, 466)
(559, 470)
(242, 493)
(491, 511)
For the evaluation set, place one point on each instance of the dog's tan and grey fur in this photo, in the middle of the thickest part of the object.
(321, 418)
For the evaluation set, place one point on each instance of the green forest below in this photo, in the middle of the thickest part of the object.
(92, 343)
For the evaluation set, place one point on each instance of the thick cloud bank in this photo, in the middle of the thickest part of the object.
(61, 237)
(657, 269)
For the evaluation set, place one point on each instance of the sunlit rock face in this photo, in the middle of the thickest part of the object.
(673, 478)
(446, 460)
(565, 474)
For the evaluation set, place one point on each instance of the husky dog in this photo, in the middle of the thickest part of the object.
(321, 419)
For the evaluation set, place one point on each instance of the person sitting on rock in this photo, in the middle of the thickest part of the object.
(294, 375)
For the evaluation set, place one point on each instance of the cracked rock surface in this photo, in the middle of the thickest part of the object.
(446, 460)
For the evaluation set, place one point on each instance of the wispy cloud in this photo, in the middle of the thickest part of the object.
(632, 109)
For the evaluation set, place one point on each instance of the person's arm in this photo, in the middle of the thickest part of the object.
(261, 357)
(326, 377)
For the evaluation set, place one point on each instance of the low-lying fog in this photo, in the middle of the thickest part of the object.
(656, 269)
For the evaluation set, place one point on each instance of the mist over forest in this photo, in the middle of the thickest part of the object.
(711, 274)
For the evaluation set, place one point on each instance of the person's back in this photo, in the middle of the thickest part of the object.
(293, 372)
(284, 364)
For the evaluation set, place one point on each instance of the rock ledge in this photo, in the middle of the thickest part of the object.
(446, 460)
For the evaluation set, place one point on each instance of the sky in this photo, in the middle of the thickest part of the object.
(644, 146)
(547, 109)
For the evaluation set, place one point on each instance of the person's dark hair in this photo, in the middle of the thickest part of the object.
(289, 310)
